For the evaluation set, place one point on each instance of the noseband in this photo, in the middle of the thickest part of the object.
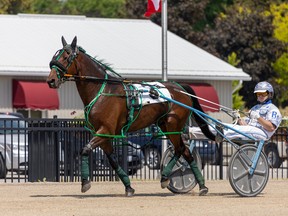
(59, 67)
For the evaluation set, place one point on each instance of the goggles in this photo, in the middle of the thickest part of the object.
(263, 94)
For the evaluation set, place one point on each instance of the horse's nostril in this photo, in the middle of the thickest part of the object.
(51, 83)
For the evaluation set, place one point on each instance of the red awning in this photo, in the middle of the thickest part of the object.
(35, 95)
(207, 92)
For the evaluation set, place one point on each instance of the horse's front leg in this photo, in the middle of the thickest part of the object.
(85, 154)
(129, 191)
(107, 147)
(85, 175)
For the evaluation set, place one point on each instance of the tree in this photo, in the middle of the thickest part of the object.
(249, 34)
(280, 22)
(245, 28)
(135, 9)
(90, 8)
(185, 17)
(46, 7)
(99, 8)
(14, 6)
(238, 102)
(281, 67)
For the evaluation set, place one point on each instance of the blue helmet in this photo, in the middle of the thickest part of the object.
(264, 87)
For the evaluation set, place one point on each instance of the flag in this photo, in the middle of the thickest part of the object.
(153, 6)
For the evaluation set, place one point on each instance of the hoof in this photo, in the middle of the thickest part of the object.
(85, 186)
(164, 182)
(129, 191)
(203, 191)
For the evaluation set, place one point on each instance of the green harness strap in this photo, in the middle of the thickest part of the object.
(131, 117)
(88, 108)
(126, 127)
(161, 133)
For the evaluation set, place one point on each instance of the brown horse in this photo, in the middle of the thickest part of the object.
(105, 94)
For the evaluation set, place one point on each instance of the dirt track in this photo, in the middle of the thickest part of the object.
(107, 198)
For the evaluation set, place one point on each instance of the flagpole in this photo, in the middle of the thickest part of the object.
(164, 40)
(164, 55)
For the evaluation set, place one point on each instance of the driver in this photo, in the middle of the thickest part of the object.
(264, 118)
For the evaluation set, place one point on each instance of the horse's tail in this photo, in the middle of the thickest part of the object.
(201, 122)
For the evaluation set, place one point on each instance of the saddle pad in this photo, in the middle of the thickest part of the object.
(145, 98)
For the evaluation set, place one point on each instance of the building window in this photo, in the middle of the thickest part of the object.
(30, 113)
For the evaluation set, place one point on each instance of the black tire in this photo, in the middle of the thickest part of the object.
(182, 179)
(152, 158)
(3, 170)
(273, 156)
(242, 182)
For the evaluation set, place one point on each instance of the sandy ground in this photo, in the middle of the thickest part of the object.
(107, 198)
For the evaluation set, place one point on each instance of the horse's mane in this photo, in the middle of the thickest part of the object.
(104, 65)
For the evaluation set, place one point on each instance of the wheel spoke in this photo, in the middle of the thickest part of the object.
(260, 173)
(244, 174)
(245, 160)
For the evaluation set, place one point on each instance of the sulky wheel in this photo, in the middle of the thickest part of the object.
(182, 179)
(242, 182)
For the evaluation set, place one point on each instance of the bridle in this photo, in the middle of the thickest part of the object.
(62, 70)
(73, 51)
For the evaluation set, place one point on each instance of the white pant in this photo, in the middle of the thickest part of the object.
(257, 133)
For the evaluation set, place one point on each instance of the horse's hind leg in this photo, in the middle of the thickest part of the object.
(196, 171)
(175, 140)
(165, 181)
(183, 150)
(167, 171)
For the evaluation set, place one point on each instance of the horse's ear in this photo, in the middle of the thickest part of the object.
(74, 42)
(63, 41)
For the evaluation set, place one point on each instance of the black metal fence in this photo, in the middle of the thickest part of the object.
(49, 150)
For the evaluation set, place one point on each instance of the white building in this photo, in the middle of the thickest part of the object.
(133, 47)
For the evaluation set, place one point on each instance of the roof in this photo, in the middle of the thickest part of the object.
(131, 46)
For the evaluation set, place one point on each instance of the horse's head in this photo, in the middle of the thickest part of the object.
(63, 64)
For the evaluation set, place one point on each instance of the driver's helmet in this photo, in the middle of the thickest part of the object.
(264, 87)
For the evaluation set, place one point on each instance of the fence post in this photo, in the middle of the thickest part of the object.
(41, 152)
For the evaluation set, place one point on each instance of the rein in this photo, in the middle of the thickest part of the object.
(69, 77)
(232, 113)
